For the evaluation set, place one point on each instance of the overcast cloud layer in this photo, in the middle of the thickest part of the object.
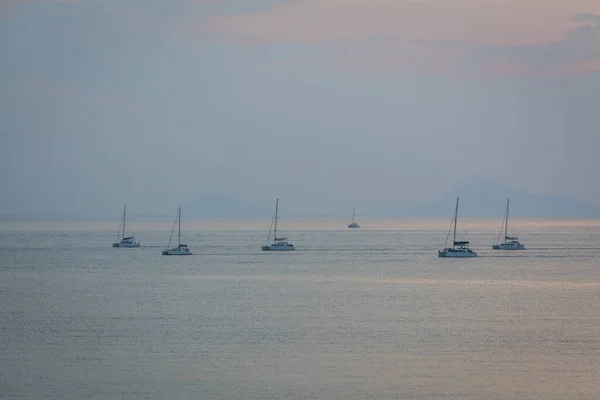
(328, 104)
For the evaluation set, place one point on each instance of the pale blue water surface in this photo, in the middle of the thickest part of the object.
(352, 314)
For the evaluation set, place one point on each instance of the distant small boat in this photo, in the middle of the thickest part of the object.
(510, 242)
(354, 224)
(279, 243)
(125, 241)
(181, 249)
(459, 249)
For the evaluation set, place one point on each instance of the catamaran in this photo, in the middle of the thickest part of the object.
(181, 249)
(510, 242)
(279, 243)
(459, 249)
(125, 241)
(354, 224)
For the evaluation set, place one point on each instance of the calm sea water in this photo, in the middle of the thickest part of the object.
(352, 314)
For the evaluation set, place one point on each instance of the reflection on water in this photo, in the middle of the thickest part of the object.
(351, 314)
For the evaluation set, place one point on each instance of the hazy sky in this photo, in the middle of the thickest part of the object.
(328, 104)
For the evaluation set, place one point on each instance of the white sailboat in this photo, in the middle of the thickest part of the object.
(510, 242)
(181, 249)
(125, 241)
(459, 249)
(279, 243)
(354, 224)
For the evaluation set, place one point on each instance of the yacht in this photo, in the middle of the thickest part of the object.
(460, 248)
(279, 243)
(354, 224)
(125, 241)
(510, 242)
(181, 249)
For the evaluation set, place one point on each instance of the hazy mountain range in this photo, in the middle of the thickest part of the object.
(478, 198)
(482, 198)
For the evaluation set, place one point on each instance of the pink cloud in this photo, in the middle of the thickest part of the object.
(498, 22)
(396, 54)
(490, 38)
(586, 66)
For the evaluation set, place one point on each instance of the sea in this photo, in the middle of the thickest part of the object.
(368, 313)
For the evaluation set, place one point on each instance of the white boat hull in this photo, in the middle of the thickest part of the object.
(449, 253)
(279, 247)
(177, 252)
(127, 244)
(508, 246)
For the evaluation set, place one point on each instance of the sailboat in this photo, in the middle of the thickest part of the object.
(279, 243)
(459, 249)
(125, 241)
(354, 224)
(510, 242)
(181, 249)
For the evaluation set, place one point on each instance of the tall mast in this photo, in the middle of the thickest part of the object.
(455, 222)
(276, 211)
(353, 219)
(179, 232)
(124, 211)
(506, 222)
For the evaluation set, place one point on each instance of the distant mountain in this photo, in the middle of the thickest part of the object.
(482, 198)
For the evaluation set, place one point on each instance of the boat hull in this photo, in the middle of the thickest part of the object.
(508, 246)
(353, 225)
(130, 245)
(456, 254)
(275, 247)
(176, 252)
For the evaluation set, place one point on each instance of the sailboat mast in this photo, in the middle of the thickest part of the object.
(353, 219)
(179, 231)
(506, 222)
(124, 212)
(276, 212)
(455, 223)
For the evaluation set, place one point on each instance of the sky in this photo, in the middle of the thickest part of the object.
(327, 104)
